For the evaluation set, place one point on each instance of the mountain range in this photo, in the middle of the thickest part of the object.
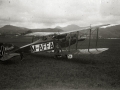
(69, 27)
(109, 32)
(10, 29)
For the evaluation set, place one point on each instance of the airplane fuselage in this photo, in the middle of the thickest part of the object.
(47, 45)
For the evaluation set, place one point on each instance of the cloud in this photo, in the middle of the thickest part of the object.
(110, 11)
(49, 13)
(110, 7)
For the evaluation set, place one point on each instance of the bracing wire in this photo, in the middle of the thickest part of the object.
(86, 34)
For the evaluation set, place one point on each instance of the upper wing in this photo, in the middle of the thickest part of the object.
(84, 28)
(40, 34)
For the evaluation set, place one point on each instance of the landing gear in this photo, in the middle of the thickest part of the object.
(57, 51)
(21, 56)
(58, 56)
(69, 56)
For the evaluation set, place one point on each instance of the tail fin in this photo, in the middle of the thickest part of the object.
(7, 51)
(2, 50)
(7, 56)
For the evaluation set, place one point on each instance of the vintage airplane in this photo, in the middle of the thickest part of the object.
(54, 42)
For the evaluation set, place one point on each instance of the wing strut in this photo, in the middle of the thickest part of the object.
(69, 41)
(77, 34)
(89, 39)
(32, 39)
(97, 38)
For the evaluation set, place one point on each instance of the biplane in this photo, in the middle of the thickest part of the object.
(51, 42)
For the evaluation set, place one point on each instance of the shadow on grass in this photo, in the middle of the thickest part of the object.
(81, 60)
(14, 60)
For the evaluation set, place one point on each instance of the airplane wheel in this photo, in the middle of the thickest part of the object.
(69, 56)
(57, 56)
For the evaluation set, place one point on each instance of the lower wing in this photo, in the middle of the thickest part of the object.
(91, 51)
(86, 51)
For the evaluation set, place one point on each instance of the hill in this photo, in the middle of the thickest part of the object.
(69, 27)
(10, 29)
(108, 32)
(47, 30)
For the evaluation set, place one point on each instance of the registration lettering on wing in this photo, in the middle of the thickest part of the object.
(42, 47)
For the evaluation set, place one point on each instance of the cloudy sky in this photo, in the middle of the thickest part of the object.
(51, 13)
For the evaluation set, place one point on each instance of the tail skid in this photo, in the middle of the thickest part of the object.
(8, 56)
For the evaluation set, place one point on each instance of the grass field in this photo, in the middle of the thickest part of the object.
(83, 72)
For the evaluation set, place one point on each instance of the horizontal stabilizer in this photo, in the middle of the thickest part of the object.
(91, 51)
(8, 56)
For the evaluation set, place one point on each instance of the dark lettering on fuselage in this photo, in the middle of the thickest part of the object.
(42, 47)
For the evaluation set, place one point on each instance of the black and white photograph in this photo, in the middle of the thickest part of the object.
(59, 45)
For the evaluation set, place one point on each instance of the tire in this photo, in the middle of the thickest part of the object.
(58, 56)
(69, 56)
